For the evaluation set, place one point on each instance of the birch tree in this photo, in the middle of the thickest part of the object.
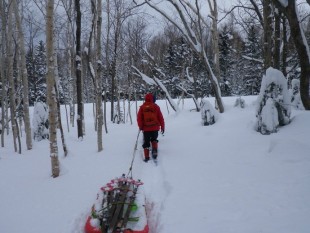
(268, 33)
(24, 76)
(10, 53)
(78, 70)
(107, 55)
(51, 92)
(215, 37)
(119, 11)
(95, 69)
(69, 8)
(98, 77)
(3, 72)
(64, 145)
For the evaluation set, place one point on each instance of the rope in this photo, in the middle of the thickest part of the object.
(134, 155)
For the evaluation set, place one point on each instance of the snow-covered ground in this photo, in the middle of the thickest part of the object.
(224, 178)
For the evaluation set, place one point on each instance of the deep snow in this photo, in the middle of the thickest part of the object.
(223, 178)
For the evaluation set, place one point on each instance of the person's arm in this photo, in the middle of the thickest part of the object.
(139, 119)
(161, 121)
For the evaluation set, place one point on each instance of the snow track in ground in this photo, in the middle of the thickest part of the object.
(156, 188)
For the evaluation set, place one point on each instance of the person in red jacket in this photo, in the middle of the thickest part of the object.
(150, 121)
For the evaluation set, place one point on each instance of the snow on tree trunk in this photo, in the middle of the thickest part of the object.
(295, 95)
(273, 109)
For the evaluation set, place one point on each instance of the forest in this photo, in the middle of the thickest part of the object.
(73, 52)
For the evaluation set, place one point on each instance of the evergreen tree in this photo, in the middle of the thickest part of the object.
(40, 72)
(36, 69)
(31, 76)
(226, 61)
(253, 69)
(273, 103)
(177, 59)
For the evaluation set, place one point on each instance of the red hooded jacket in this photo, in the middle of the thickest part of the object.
(140, 117)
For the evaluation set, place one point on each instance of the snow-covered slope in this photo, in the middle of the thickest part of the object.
(223, 178)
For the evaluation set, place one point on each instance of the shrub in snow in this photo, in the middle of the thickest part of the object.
(240, 102)
(40, 121)
(273, 109)
(295, 95)
(208, 113)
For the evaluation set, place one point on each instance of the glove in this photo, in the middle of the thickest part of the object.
(162, 131)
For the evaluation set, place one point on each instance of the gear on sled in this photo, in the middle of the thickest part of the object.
(119, 208)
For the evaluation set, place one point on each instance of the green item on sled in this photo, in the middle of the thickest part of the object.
(134, 207)
(133, 219)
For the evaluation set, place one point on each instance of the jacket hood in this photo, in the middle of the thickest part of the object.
(149, 98)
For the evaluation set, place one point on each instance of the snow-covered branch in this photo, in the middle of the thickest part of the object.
(156, 81)
(191, 95)
(191, 79)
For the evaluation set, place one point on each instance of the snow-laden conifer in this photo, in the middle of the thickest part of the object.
(208, 113)
(273, 103)
(240, 102)
(40, 121)
(295, 95)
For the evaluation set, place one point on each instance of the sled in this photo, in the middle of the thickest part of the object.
(119, 207)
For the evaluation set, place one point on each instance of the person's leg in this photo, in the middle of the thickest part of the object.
(147, 137)
(154, 142)
(146, 145)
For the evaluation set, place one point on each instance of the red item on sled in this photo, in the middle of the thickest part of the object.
(90, 229)
(145, 230)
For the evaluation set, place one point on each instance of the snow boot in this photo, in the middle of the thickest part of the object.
(154, 149)
(146, 154)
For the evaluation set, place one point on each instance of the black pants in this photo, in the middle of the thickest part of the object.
(149, 136)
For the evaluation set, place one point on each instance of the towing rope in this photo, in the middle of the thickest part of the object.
(134, 155)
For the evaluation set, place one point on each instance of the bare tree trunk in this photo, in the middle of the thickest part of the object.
(113, 76)
(70, 78)
(114, 66)
(19, 104)
(95, 71)
(78, 69)
(69, 8)
(215, 38)
(3, 72)
(11, 80)
(277, 40)
(285, 45)
(64, 145)
(268, 33)
(98, 77)
(24, 78)
(107, 67)
(51, 94)
(302, 48)
(129, 97)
